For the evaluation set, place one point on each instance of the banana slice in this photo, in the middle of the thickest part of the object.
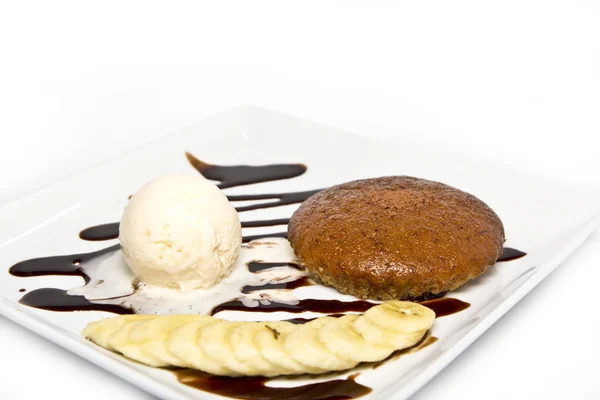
(374, 333)
(270, 344)
(246, 351)
(182, 344)
(121, 341)
(396, 324)
(340, 338)
(401, 316)
(305, 347)
(214, 342)
(150, 336)
(100, 332)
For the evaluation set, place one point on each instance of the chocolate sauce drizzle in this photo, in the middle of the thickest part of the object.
(266, 222)
(255, 388)
(100, 232)
(256, 266)
(446, 306)
(315, 305)
(442, 307)
(59, 300)
(281, 199)
(509, 254)
(300, 321)
(59, 265)
(246, 239)
(239, 175)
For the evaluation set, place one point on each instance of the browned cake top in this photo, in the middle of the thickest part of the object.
(395, 237)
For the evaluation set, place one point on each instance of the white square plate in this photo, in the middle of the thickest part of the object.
(546, 221)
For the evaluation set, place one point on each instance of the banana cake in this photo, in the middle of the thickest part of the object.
(395, 237)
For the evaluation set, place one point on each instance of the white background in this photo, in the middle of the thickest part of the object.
(517, 82)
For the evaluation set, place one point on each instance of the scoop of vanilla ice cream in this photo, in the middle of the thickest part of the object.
(180, 231)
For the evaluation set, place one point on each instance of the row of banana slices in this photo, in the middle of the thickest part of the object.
(235, 348)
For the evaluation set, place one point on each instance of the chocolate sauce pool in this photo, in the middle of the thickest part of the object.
(256, 388)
